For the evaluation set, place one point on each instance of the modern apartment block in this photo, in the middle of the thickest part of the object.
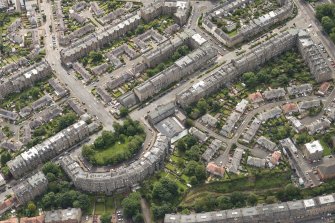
(255, 26)
(123, 178)
(24, 78)
(255, 58)
(287, 212)
(48, 149)
(30, 188)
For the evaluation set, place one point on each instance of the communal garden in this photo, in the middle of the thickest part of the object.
(115, 147)
(26, 97)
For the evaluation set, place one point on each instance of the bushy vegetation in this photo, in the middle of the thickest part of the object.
(115, 147)
(163, 195)
(279, 72)
(132, 207)
(325, 13)
(61, 193)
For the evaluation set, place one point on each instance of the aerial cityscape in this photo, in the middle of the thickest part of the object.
(167, 111)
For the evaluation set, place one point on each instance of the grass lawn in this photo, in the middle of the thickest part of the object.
(326, 149)
(102, 156)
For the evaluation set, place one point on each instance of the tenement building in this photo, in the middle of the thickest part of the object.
(180, 69)
(24, 78)
(287, 212)
(96, 40)
(123, 178)
(48, 149)
(254, 27)
(264, 52)
(30, 188)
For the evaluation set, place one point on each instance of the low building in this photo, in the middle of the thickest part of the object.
(235, 163)
(323, 89)
(274, 94)
(290, 108)
(256, 97)
(275, 157)
(266, 143)
(70, 215)
(209, 120)
(256, 162)
(161, 112)
(202, 137)
(313, 150)
(241, 106)
(326, 170)
(212, 149)
(214, 169)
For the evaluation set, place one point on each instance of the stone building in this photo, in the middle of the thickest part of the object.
(48, 149)
(30, 188)
(123, 178)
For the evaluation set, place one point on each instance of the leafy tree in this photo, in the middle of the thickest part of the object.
(124, 112)
(131, 205)
(165, 190)
(50, 167)
(5, 157)
(105, 218)
(250, 79)
(196, 169)
(327, 23)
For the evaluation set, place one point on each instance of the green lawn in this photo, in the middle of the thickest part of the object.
(326, 149)
(118, 148)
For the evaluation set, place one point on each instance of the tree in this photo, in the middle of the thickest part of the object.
(99, 143)
(31, 207)
(202, 106)
(165, 190)
(131, 205)
(327, 23)
(105, 218)
(5, 157)
(252, 199)
(96, 57)
(50, 167)
(250, 79)
(196, 169)
(124, 112)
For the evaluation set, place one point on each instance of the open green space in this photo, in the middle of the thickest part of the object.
(115, 147)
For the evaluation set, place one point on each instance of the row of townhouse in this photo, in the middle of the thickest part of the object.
(254, 27)
(80, 48)
(30, 188)
(24, 78)
(14, 66)
(288, 212)
(123, 178)
(98, 39)
(48, 149)
(73, 36)
(185, 66)
(179, 9)
(168, 47)
(250, 61)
